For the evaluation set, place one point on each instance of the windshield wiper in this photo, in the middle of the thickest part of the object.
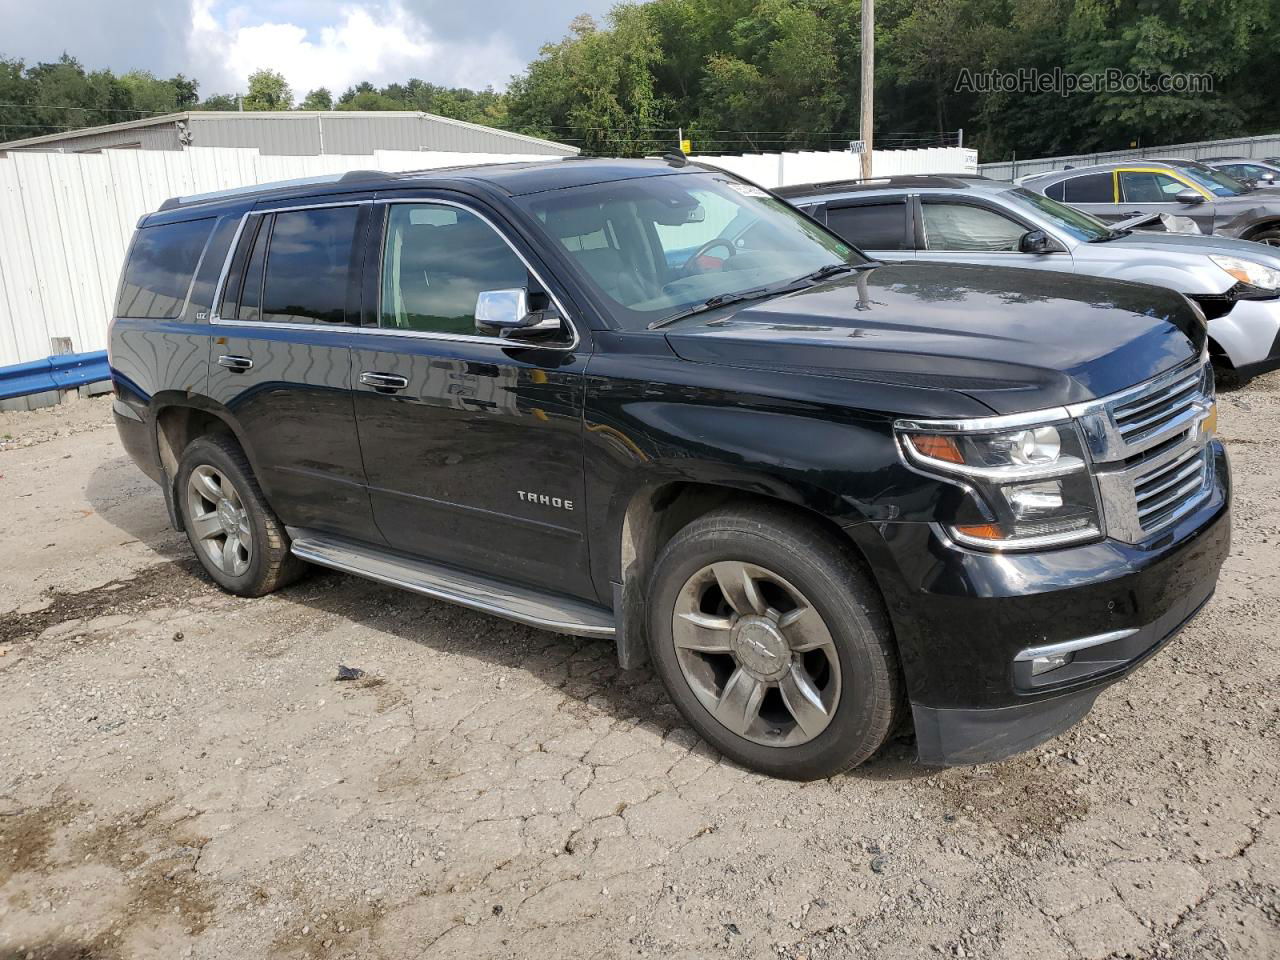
(724, 299)
(830, 270)
(1112, 234)
(719, 300)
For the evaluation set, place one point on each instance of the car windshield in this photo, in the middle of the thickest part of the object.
(654, 247)
(1081, 225)
(1215, 181)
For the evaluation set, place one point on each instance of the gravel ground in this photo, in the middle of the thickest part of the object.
(181, 775)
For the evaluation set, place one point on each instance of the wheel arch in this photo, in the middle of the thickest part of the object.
(656, 510)
(178, 420)
(1261, 226)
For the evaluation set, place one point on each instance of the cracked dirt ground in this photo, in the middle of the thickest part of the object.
(181, 775)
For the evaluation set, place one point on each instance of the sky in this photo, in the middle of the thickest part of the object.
(314, 43)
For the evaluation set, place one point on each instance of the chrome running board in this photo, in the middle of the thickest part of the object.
(523, 604)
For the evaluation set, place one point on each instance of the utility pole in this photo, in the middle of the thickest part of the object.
(868, 80)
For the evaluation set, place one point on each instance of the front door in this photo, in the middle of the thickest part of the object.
(472, 443)
(281, 362)
(1154, 191)
(963, 231)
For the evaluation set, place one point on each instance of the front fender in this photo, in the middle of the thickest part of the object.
(839, 463)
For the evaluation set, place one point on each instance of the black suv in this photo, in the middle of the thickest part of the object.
(649, 401)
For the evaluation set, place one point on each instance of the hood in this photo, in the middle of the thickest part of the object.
(1013, 339)
(1192, 243)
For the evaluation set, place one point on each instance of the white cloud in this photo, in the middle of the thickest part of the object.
(378, 44)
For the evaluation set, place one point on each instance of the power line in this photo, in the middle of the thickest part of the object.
(58, 106)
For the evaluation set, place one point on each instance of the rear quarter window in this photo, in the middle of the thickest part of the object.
(161, 265)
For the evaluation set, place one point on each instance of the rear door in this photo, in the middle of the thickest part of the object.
(878, 226)
(472, 443)
(1092, 192)
(281, 360)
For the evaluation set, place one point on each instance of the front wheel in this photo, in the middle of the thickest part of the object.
(773, 644)
(1269, 236)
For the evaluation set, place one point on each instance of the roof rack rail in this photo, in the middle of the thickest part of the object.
(323, 180)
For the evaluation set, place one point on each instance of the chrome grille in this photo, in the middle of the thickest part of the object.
(1170, 407)
(1151, 457)
(1165, 493)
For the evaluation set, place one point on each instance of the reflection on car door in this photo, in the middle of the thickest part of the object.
(280, 361)
(472, 443)
(878, 226)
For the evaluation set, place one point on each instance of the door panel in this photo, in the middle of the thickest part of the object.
(477, 461)
(296, 414)
(281, 364)
(472, 444)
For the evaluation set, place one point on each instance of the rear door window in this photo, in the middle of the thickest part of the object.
(871, 226)
(162, 263)
(1091, 188)
(309, 265)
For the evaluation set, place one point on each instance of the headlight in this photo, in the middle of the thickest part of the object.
(1027, 488)
(1246, 271)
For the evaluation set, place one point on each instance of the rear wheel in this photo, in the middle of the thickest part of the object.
(236, 536)
(773, 644)
(1269, 236)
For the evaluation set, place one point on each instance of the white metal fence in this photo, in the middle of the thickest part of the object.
(66, 220)
(784, 169)
(1268, 146)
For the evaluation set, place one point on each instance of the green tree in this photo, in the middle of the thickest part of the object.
(318, 99)
(153, 96)
(268, 90)
(220, 101)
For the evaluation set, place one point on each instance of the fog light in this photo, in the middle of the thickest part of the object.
(1049, 662)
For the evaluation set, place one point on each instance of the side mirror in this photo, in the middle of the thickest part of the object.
(508, 312)
(1267, 178)
(1189, 196)
(1035, 241)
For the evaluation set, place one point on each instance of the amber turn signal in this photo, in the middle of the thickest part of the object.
(936, 446)
(980, 531)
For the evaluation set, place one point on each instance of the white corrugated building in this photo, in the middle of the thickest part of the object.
(295, 133)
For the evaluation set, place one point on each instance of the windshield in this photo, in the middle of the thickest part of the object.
(1081, 225)
(654, 246)
(1215, 181)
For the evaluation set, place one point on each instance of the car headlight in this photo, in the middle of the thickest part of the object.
(1026, 488)
(1247, 271)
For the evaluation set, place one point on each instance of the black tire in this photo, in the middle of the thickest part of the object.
(808, 557)
(1270, 236)
(269, 564)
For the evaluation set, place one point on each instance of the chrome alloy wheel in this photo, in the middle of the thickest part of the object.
(219, 522)
(756, 653)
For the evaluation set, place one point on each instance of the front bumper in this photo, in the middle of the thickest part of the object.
(1249, 335)
(962, 617)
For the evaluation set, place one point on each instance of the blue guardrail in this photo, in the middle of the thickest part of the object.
(53, 373)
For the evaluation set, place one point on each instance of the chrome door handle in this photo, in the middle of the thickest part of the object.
(235, 364)
(386, 382)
